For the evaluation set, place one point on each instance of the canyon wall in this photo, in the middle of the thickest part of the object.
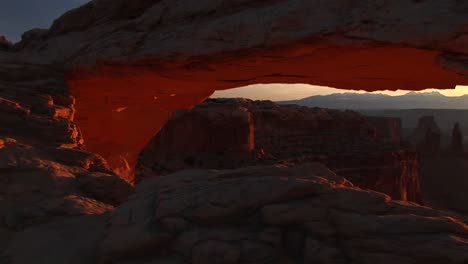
(214, 134)
(45, 173)
(393, 172)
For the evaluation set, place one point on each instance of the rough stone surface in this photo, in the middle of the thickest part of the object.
(91, 28)
(210, 136)
(344, 140)
(186, 49)
(264, 214)
(70, 240)
(45, 173)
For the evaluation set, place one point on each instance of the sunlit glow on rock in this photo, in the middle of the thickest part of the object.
(152, 92)
(120, 109)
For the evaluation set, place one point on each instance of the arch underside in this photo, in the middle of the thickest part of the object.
(120, 107)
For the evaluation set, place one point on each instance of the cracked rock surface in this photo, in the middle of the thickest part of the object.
(264, 214)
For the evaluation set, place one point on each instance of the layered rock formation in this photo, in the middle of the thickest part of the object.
(272, 214)
(164, 47)
(230, 133)
(45, 174)
(212, 136)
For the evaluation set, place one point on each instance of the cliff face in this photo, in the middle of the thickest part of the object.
(233, 126)
(394, 172)
(343, 140)
(45, 174)
(211, 136)
(387, 127)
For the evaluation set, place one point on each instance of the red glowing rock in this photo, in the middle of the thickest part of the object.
(350, 66)
(164, 48)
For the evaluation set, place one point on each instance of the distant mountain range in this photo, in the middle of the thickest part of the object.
(411, 100)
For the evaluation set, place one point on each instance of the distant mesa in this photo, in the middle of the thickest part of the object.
(411, 100)
(427, 135)
(233, 133)
(457, 140)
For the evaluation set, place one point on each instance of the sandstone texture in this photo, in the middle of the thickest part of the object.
(149, 29)
(45, 174)
(232, 133)
(263, 214)
(179, 52)
(209, 136)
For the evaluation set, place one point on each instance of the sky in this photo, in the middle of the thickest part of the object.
(278, 92)
(18, 16)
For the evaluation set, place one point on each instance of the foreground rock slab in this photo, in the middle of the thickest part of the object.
(278, 214)
(265, 214)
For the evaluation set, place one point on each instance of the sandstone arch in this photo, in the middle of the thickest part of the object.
(129, 70)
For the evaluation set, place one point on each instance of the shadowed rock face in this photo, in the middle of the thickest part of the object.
(234, 127)
(265, 214)
(232, 133)
(388, 127)
(45, 174)
(190, 49)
